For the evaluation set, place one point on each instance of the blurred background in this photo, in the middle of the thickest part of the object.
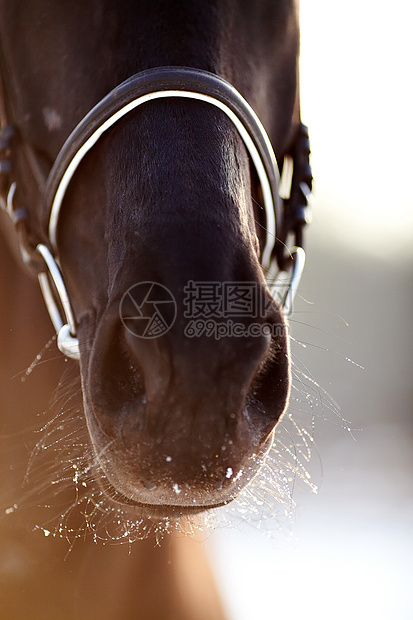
(352, 548)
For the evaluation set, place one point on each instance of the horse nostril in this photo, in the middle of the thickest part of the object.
(149, 486)
(116, 380)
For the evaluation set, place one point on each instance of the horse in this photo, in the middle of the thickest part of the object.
(140, 145)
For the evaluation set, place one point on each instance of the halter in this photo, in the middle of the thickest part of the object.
(142, 88)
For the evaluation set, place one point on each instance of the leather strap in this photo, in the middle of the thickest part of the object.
(154, 84)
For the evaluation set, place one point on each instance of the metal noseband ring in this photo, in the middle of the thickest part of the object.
(150, 85)
(67, 341)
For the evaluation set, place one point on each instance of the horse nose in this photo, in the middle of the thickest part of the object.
(173, 409)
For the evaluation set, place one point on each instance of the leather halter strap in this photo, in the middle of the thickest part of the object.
(159, 83)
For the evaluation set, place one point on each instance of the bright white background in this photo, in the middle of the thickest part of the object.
(353, 549)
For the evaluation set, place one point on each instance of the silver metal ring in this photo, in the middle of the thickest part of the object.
(67, 340)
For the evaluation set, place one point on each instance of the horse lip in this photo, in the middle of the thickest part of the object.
(158, 511)
(165, 503)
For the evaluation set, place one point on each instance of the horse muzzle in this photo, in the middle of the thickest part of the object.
(178, 422)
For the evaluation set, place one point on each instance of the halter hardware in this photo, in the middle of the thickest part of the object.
(176, 82)
(52, 285)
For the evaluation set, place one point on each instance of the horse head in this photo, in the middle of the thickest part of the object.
(162, 217)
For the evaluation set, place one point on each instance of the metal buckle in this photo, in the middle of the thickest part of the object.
(67, 340)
